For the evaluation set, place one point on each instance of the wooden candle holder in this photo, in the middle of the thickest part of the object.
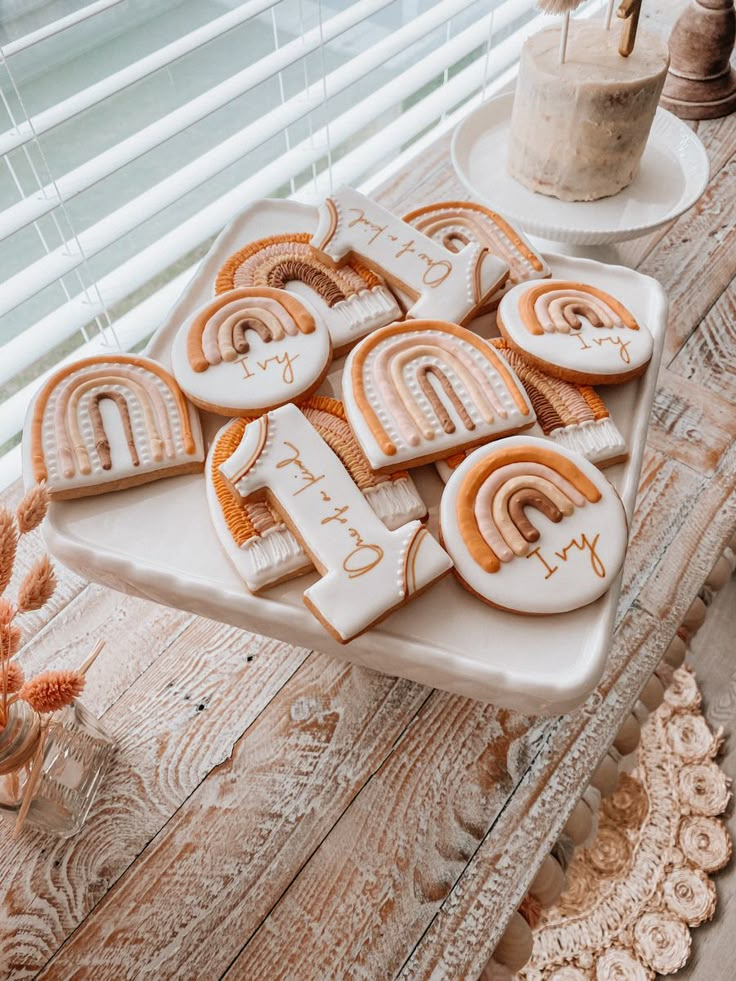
(701, 84)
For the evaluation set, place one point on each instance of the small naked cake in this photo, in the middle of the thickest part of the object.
(579, 128)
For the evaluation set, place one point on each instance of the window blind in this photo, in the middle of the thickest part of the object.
(132, 131)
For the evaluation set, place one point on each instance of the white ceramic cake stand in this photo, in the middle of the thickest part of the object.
(673, 174)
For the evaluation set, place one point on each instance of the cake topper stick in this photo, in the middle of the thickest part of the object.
(629, 12)
(560, 7)
(609, 14)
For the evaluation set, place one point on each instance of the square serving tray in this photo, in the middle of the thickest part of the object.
(156, 540)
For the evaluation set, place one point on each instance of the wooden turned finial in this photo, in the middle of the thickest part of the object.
(701, 83)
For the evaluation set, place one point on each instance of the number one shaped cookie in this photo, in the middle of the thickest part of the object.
(444, 285)
(367, 570)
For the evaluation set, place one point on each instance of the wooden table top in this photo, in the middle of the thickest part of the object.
(273, 812)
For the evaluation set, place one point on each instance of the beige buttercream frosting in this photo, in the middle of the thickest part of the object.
(578, 129)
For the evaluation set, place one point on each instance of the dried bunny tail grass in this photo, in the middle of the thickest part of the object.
(14, 679)
(7, 612)
(15, 640)
(52, 690)
(8, 546)
(38, 586)
(32, 509)
(10, 634)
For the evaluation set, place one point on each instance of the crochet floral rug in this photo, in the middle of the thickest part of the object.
(644, 881)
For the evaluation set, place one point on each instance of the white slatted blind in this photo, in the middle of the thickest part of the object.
(131, 131)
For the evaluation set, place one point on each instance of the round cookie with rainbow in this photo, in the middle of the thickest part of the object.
(532, 527)
(576, 331)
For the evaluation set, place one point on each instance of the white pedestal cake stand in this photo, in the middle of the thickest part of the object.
(673, 174)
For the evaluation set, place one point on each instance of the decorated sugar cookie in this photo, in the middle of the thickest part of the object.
(575, 331)
(258, 543)
(249, 350)
(109, 422)
(532, 527)
(457, 224)
(366, 570)
(420, 390)
(572, 415)
(444, 285)
(352, 300)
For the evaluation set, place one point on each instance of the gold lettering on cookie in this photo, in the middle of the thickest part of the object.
(304, 473)
(436, 271)
(357, 563)
(283, 361)
(537, 554)
(363, 556)
(583, 544)
(618, 342)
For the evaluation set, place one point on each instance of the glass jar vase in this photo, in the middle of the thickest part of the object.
(76, 754)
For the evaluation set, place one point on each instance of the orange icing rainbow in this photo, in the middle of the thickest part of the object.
(280, 259)
(492, 498)
(555, 307)
(218, 332)
(143, 384)
(446, 343)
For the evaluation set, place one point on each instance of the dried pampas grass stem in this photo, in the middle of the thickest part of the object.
(91, 658)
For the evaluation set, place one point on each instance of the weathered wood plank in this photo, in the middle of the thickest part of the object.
(694, 261)
(68, 586)
(707, 358)
(719, 140)
(464, 933)
(689, 426)
(135, 631)
(382, 873)
(666, 494)
(689, 557)
(174, 725)
(257, 818)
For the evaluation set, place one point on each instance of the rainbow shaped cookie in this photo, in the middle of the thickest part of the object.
(572, 415)
(257, 541)
(575, 331)
(352, 300)
(109, 422)
(420, 390)
(458, 224)
(441, 284)
(249, 350)
(532, 528)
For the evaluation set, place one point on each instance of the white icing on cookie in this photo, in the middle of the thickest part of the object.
(533, 527)
(456, 224)
(445, 285)
(108, 422)
(352, 300)
(367, 570)
(260, 546)
(249, 350)
(584, 333)
(419, 390)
